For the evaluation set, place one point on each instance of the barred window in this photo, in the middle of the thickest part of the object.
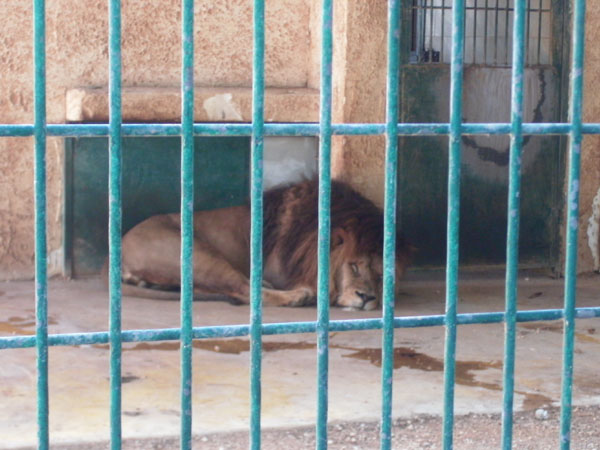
(488, 32)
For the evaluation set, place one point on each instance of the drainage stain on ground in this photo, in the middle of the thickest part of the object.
(228, 346)
(557, 327)
(22, 326)
(407, 357)
(403, 357)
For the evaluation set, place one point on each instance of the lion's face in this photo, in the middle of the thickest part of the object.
(358, 282)
(356, 278)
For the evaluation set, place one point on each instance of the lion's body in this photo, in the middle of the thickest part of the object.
(151, 250)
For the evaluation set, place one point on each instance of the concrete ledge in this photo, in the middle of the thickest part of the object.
(222, 104)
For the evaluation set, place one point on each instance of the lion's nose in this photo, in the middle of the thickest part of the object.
(366, 298)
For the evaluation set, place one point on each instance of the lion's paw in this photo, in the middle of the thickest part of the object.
(302, 297)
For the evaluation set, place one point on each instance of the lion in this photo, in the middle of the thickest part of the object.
(151, 251)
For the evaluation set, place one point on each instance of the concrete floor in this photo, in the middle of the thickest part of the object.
(79, 391)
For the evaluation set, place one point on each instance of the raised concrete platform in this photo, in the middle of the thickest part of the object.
(79, 383)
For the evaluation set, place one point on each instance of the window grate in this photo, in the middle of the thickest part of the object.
(488, 32)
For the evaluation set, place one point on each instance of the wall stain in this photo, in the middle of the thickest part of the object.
(501, 157)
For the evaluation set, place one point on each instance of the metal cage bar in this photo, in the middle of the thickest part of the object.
(496, 20)
(324, 224)
(389, 241)
(299, 129)
(41, 277)
(187, 218)
(187, 129)
(443, 19)
(454, 157)
(485, 27)
(572, 225)
(539, 43)
(169, 334)
(256, 217)
(513, 215)
(474, 9)
(527, 38)
(114, 219)
(506, 25)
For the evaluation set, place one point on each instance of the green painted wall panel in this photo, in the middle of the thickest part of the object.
(484, 173)
(151, 185)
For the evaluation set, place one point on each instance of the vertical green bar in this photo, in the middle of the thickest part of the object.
(187, 218)
(575, 113)
(512, 238)
(389, 239)
(39, 180)
(256, 216)
(114, 223)
(324, 225)
(454, 156)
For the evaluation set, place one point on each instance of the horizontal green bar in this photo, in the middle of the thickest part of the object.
(293, 129)
(227, 331)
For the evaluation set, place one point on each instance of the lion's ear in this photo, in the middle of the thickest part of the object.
(338, 236)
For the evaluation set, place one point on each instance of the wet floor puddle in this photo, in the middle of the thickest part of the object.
(557, 327)
(20, 326)
(403, 357)
(227, 346)
(464, 370)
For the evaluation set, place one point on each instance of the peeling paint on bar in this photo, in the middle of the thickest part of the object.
(390, 204)
(324, 224)
(114, 222)
(41, 276)
(512, 234)
(575, 136)
(256, 217)
(452, 246)
(187, 221)
(300, 129)
(228, 331)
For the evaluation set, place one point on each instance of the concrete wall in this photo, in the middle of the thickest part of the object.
(77, 57)
(359, 92)
(589, 235)
(77, 68)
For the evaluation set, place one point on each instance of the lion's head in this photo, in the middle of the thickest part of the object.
(291, 224)
(356, 276)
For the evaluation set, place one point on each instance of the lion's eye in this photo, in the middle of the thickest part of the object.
(354, 268)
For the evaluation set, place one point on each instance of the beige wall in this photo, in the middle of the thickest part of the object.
(77, 56)
(589, 235)
(359, 92)
(77, 37)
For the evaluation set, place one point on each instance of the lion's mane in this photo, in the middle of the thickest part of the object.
(291, 227)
